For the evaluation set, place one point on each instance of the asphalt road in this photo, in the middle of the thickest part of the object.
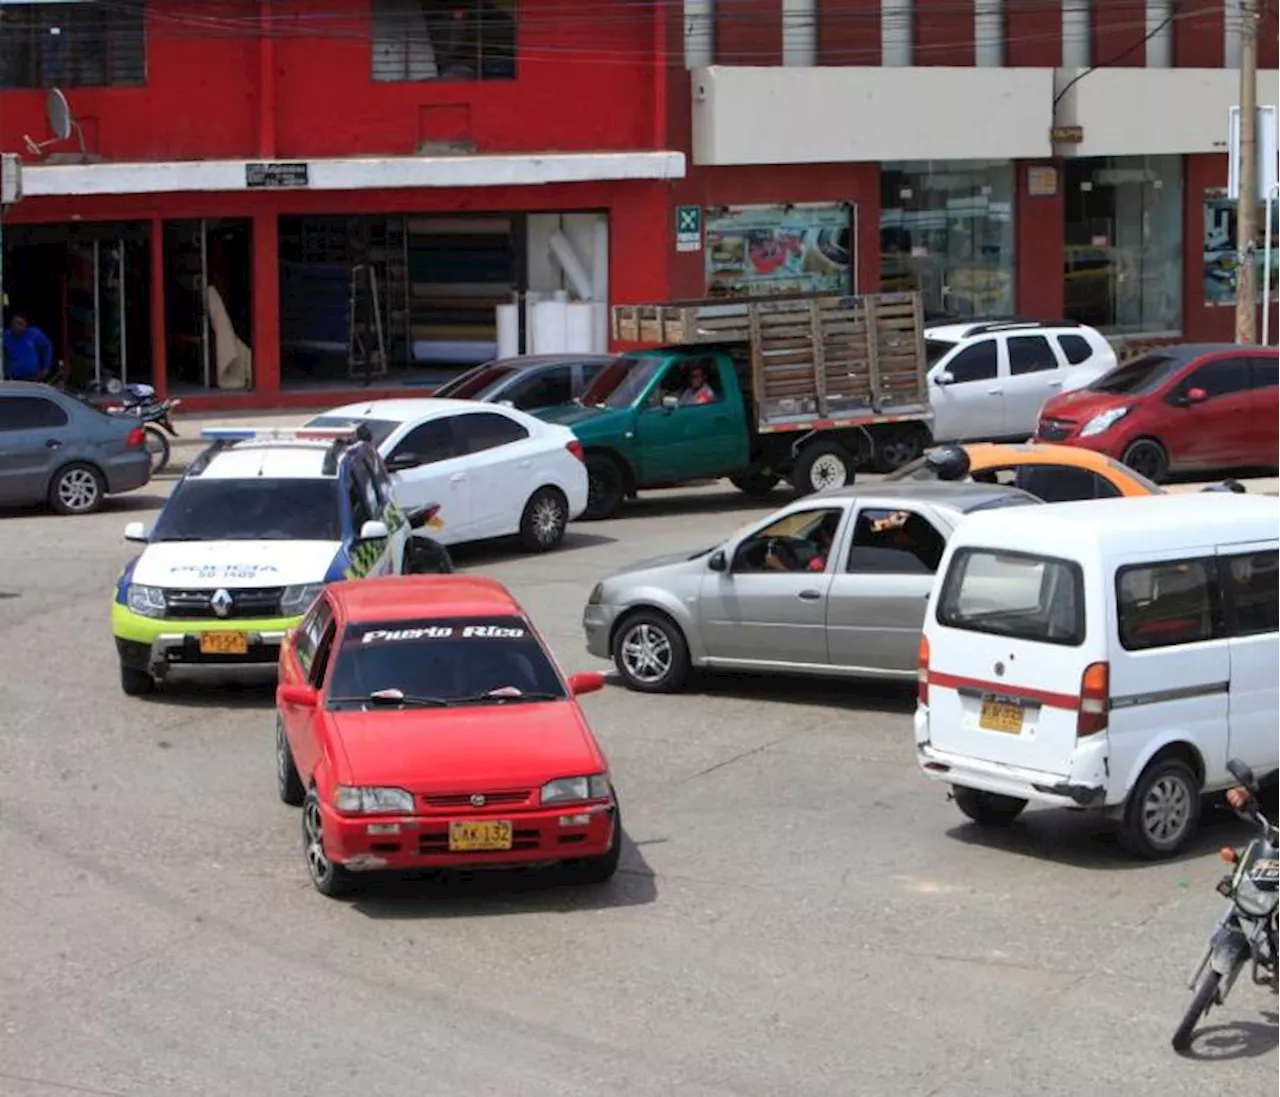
(798, 912)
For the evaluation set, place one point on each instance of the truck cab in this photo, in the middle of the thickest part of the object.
(645, 422)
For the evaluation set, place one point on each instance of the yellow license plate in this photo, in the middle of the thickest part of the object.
(1001, 716)
(224, 643)
(472, 837)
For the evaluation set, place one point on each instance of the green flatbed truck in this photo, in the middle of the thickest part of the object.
(803, 388)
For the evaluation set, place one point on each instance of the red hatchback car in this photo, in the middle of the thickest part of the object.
(423, 724)
(1176, 409)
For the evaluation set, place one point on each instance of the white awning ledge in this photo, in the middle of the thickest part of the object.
(357, 173)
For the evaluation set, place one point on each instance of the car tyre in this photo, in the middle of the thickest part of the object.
(1163, 810)
(426, 556)
(77, 488)
(329, 879)
(545, 517)
(157, 447)
(600, 870)
(135, 682)
(821, 466)
(288, 783)
(650, 653)
(606, 487)
(1148, 458)
(755, 483)
(988, 809)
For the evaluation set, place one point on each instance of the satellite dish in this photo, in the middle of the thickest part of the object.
(58, 111)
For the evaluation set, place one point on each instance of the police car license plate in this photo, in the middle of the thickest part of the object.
(224, 643)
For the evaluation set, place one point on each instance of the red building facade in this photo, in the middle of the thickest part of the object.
(268, 189)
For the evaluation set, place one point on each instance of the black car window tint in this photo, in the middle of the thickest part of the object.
(894, 542)
(1220, 378)
(429, 442)
(1076, 348)
(975, 363)
(488, 430)
(1030, 354)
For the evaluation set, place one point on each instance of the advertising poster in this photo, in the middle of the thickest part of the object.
(1220, 249)
(779, 249)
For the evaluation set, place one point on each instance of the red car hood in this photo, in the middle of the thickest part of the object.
(1082, 405)
(467, 749)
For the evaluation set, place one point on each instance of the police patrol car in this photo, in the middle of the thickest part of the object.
(259, 522)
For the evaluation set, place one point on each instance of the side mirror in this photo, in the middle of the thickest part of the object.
(373, 530)
(586, 681)
(1243, 774)
(944, 377)
(670, 403)
(1196, 396)
(420, 516)
(297, 696)
(137, 532)
(718, 561)
(402, 461)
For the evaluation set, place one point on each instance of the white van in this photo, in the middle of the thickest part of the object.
(1109, 655)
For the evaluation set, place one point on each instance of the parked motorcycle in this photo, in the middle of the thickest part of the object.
(1246, 932)
(140, 401)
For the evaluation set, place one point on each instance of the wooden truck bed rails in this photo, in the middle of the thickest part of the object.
(842, 360)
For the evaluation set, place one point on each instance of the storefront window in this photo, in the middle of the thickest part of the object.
(946, 229)
(780, 249)
(1122, 266)
(1220, 249)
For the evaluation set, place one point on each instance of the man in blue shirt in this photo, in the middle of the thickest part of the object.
(28, 354)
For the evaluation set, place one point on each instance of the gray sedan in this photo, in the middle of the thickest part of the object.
(529, 382)
(60, 450)
(832, 584)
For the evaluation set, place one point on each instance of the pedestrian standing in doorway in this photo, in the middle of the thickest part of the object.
(28, 354)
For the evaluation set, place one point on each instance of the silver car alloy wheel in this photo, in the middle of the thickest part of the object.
(548, 519)
(646, 653)
(317, 861)
(828, 471)
(78, 490)
(1166, 811)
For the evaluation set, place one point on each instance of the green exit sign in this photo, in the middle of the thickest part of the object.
(688, 228)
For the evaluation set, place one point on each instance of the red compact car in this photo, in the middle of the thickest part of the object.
(1176, 409)
(423, 724)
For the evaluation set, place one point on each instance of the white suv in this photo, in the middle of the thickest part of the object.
(989, 380)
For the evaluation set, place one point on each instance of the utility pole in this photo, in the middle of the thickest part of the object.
(1247, 205)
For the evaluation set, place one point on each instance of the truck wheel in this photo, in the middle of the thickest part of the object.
(754, 483)
(606, 487)
(896, 447)
(822, 465)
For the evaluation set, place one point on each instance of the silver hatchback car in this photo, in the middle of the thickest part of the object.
(832, 584)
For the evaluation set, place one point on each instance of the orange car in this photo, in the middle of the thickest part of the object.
(1056, 474)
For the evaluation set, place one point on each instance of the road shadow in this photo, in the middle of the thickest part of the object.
(1086, 839)
(113, 504)
(862, 695)
(1235, 1040)
(1215, 475)
(215, 688)
(457, 894)
(669, 503)
(503, 550)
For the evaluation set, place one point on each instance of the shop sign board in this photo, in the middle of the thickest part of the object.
(276, 175)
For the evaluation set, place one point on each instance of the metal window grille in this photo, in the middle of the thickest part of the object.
(443, 40)
(72, 45)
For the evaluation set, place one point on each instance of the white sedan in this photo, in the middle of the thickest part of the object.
(493, 470)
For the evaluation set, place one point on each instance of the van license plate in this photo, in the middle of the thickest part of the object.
(475, 837)
(1001, 715)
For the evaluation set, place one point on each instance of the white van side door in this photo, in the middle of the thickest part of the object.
(1248, 577)
(1171, 668)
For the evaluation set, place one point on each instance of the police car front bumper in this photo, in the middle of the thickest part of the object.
(155, 646)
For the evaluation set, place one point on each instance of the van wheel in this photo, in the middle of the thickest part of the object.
(1163, 810)
(1148, 458)
(987, 808)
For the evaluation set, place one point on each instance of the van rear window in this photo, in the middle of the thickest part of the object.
(1014, 594)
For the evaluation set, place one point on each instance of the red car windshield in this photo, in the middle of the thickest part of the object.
(1138, 377)
(442, 662)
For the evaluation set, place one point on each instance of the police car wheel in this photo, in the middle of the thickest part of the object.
(77, 489)
(543, 522)
(135, 682)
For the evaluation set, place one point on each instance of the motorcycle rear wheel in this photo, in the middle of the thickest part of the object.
(1205, 996)
(158, 447)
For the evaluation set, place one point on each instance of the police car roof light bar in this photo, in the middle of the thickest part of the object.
(228, 435)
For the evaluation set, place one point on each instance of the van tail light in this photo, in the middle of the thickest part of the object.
(136, 439)
(922, 672)
(575, 447)
(1095, 698)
